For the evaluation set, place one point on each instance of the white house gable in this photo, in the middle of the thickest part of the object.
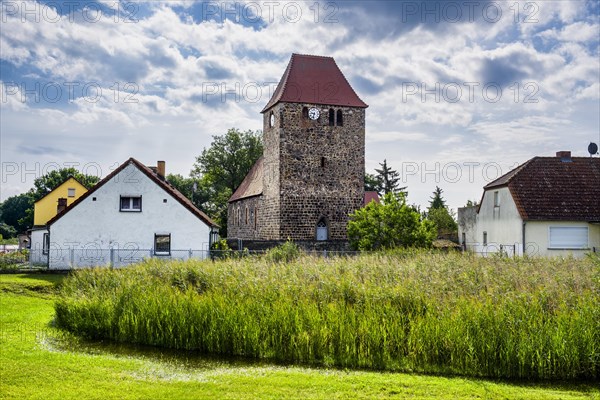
(130, 213)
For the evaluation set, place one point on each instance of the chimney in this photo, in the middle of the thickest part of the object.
(160, 169)
(565, 156)
(62, 204)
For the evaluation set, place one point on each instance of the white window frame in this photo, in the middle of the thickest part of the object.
(566, 246)
(71, 192)
(130, 208)
(496, 199)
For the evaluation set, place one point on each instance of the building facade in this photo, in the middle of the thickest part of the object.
(47, 208)
(548, 206)
(132, 214)
(311, 175)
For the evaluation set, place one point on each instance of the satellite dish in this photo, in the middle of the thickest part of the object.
(593, 149)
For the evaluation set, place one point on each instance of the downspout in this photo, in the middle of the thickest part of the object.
(524, 224)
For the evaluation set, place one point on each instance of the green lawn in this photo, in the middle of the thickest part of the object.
(37, 361)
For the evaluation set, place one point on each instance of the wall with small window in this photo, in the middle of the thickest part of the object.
(129, 212)
(562, 238)
(498, 225)
(46, 208)
(244, 218)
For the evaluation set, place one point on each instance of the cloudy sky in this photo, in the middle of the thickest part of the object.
(458, 92)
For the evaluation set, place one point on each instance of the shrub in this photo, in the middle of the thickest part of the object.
(388, 225)
(286, 252)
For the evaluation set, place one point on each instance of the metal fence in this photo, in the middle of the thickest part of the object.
(116, 258)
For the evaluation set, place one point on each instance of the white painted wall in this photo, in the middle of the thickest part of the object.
(503, 224)
(537, 238)
(504, 227)
(36, 255)
(97, 226)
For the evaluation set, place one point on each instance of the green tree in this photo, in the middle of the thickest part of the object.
(437, 201)
(471, 203)
(441, 215)
(221, 168)
(373, 183)
(389, 179)
(389, 224)
(14, 213)
(7, 231)
(444, 221)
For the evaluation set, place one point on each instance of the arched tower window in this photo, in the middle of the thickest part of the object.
(331, 117)
(246, 215)
(322, 230)
(340, 118)
(305, 112)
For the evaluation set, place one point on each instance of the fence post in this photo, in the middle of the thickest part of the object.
(112, 257)
(72, 251)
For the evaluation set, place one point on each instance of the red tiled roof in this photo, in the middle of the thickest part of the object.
(252, 185)
(547, 188)
(371, 196)
(314, 80)
(166, 186)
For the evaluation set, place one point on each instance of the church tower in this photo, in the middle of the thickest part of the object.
(311, 175)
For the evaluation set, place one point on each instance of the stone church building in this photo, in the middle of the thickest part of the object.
(311, 174)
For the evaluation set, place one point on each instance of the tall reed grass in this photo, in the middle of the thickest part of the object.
(410, 311)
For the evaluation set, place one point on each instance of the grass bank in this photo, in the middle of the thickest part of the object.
(38, 361)
(415, 311)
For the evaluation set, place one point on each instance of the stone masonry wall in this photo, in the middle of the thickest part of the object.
(311, 171)
(243, 218)
(322, 170)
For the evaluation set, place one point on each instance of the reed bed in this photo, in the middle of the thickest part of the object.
(523, 318)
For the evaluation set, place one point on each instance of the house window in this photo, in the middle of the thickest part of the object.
(331, 117)
(340, 118)
(496, 199)
(162, 244)
(485, 238)
(568, 237)
(71, 192)
(46, 244)
(131, 203)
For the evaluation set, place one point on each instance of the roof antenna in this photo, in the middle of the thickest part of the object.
(592, 149)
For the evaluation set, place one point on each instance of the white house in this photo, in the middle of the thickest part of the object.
(547, 206)
(131, 214)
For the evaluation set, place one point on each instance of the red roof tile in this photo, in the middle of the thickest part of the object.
(252, 185)
(314, 80)
(165, 185)
(371, 196)
(548, 188)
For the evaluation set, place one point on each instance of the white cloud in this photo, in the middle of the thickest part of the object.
(170, 58)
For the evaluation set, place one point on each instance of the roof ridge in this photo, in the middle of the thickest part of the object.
(184, 201)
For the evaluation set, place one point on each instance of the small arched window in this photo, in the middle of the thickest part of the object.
(255, 217)
(246, 215)
(340, 118)
(322, 231)
(331, 117)
(305, 113)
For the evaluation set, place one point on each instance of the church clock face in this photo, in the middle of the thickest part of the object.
(313, 114)
(272, 120)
